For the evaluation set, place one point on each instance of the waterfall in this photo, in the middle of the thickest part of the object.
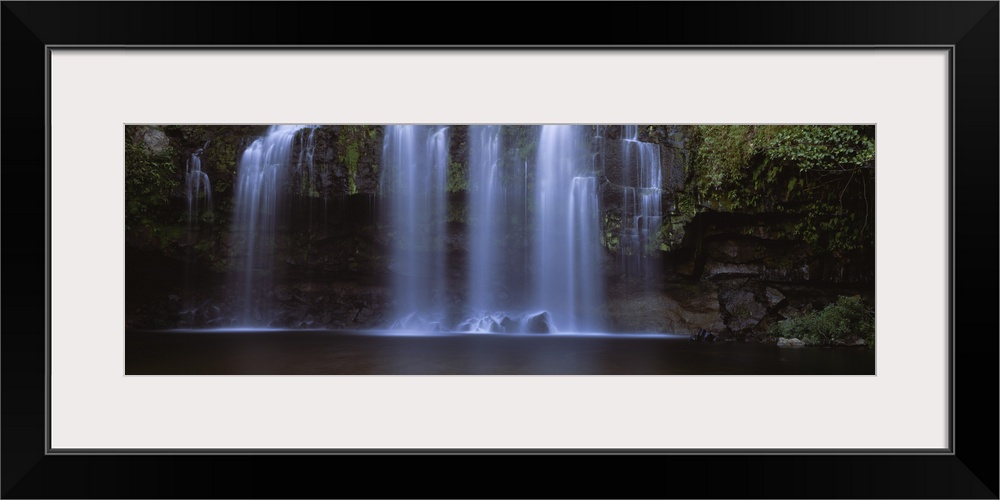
(487, 217)
(565, 260)
(197, 186)
(556, 199)
(533, 221)
(198, 191)
(304, 169)
(260, 178)
(641, 215)
(413, 184)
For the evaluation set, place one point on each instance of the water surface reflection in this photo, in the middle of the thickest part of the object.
(325, 352)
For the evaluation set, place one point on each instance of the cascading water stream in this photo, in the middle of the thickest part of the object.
(310, 184)
(413, 185)
(307, 150)
(641, 215)
(197, 186)
(259, 184)
(487, 217)
(198, 191)
(565, 260)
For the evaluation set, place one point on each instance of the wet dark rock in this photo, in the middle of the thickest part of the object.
(174, 306)
(792, 342)
(795, 274)
(308, 321)
(508, 325)
(735, 251)
(789, 312)
(539, 323)
(728, 270)
(704, 336)
(302, 310)
(743, 310)
(154, 139)
(363, 315)
(774, 297)
(696, 313)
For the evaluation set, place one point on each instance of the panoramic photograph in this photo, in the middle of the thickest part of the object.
(416, 249)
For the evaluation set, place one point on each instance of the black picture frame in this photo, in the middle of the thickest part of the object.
(969, 471)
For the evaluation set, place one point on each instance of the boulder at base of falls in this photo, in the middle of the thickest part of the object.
(539, 323)
(704, 335)
(508, 325)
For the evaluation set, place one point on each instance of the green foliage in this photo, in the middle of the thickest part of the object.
(221, 160)
(817, 147)
(823, 175)
(169, 235)
(837, 164)
(610, 237)
(723, 155)
(668, 236)
(842, 322)
(357, 147)
(458, 177)
(350, 159)
(522, 144)
(457, 212)
(685, 205)
(150, 178)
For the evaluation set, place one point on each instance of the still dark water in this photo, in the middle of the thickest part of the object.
(322, 352)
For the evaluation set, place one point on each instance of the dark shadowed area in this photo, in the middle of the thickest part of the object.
(325, 352)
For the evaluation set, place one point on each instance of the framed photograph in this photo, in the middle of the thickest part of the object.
(705, 253)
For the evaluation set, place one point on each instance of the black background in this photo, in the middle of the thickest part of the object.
(972, 472)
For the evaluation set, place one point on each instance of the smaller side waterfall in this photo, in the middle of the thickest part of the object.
(198, 191)
(641, 215)
(305, 167)
(197, 186)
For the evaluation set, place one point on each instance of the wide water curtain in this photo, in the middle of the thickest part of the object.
(566, 266)
(260, 179)
(413, 185)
